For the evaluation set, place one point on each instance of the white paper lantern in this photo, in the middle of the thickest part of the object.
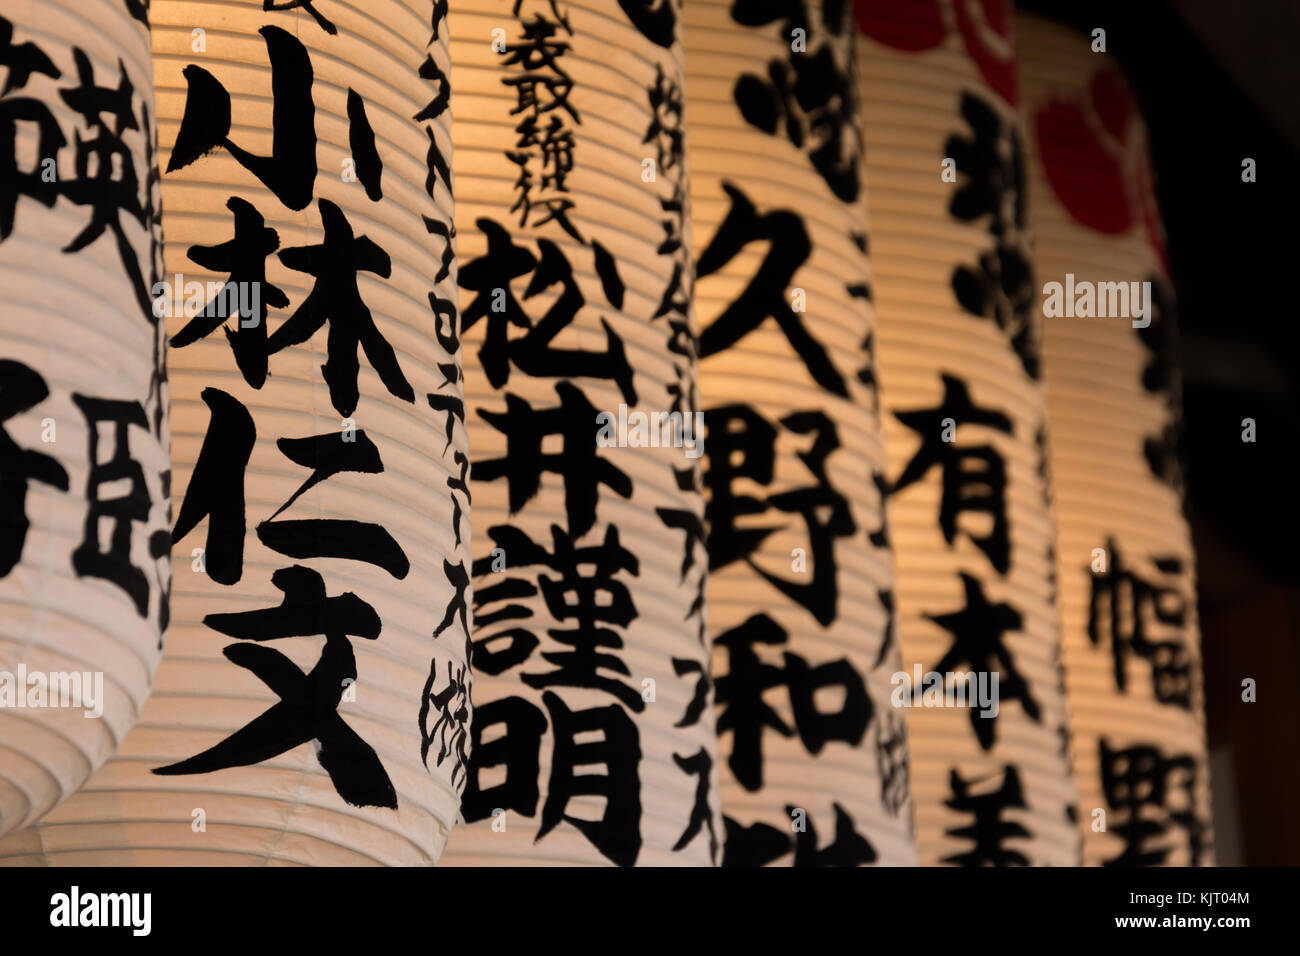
(319, 455)
(594, 738)
(965, 421)
(83, 406)
(1131, 643)
(814, 759)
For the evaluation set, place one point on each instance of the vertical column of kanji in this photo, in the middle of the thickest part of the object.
(313, 705)
(594, 740)
(1131, 645)
(965, 427)
(801, 596)
(84, 509)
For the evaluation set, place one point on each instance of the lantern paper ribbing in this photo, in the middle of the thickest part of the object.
(965, 419)
(593, 736)
(800, 592)
(83, 406)
(313, 704)
(1131, 650)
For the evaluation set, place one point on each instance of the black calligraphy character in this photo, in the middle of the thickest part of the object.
(458, 577)
(133, 505)
(617, 834)
(587, 602)
(788, 249)
(447, 232)
(582, 470)
(244, 258)
(489, 277)
(1120, 607)
(328, 455)
(974, 477)
(458, 486)
(516, 749)
(491, 609)
(216, 488)
(335, 299)
(689, 522)
(849, 848)
(811, 92)
(744, 713)
(429, 70)
(451, 727)
(666, 128)
(1149, 791)
(742, 445)
(987, 830)
(290, 171)
(21, 389)
(977, 632)
(698, 765)
(454, 407)
(539, 50)
(703, 686)
(307, 711)
(22, 60)
(1001, 285)
(556, 146)
(105, 177)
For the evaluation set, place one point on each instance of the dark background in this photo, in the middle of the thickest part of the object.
(1219, 81)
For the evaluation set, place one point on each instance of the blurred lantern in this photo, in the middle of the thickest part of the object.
(965, 423)
(313, 704)
(593, 735)
(814, 759)
(1131, 648)
(83, 407)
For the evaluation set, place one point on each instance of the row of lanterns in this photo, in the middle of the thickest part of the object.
(732, 351)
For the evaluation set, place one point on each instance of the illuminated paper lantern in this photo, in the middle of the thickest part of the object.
(313, 703)
(83, 396)
(813, 759)
(593, 736)
(1126, 566)
(965, 421)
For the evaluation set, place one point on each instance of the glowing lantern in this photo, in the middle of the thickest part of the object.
(83, 398)
(313, 702)
(1131, 645)
(965, 426)
(593, 739)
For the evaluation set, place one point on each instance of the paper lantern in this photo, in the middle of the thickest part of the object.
(83, 404)
(813, 759)
(593, 738)
(965, 425)
(1131, 647)
(313, 703)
